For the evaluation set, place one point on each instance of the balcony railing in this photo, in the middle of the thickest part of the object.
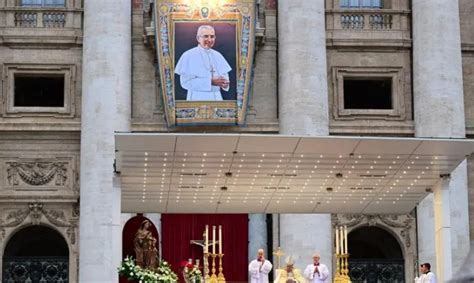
(376, 271)
(33, 19)
(375, 26)
(36, 269)
(26, 19)
(41, 17)
(41, 25)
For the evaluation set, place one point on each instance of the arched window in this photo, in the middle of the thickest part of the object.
(36, 254)
(373, 4)
(375, 256)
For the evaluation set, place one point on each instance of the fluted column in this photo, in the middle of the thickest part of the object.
(106, 84)
(439, 112)
(303, 105)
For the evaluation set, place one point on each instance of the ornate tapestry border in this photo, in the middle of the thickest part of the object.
(205, 112)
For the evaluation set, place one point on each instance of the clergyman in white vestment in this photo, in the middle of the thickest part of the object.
(203, 71)
(259, 268)
(426, 275)
(316, 272)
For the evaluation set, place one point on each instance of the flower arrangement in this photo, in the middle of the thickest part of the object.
(191, 273)
(161, 274)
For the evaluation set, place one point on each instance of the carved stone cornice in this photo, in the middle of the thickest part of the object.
(36, 173)
(36, 211)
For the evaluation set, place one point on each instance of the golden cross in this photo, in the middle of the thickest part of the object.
(279, 253)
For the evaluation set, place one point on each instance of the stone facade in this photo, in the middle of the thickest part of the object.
(40, 149)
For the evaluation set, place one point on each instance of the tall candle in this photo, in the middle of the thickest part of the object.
(213, 239)
(206, 239)
(341, 239)
(220, 239)
(337, 240)
(345, 239)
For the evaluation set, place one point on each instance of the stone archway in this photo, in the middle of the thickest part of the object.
(375, 256)
(43, 257)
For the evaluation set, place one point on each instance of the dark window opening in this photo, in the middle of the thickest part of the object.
(368, 94)
(39, 91)
(36, 241)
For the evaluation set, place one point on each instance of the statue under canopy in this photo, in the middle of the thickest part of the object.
(145, 246)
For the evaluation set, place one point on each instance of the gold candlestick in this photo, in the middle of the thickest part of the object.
(346, 267)
(338, 264)
(213, 278)
(220, 277)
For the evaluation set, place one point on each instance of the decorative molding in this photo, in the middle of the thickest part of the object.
(36, 211)
(395, 74)
(12, 70)
(36, 173)
(401, 224)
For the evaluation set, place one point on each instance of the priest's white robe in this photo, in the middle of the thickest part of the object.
(196, 68)
(259, 272)
(318, 277)
(426, 278)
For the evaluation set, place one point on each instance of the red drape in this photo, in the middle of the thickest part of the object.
(179, 229)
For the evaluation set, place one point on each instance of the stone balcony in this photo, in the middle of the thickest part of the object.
(40, 25)
(368, 27)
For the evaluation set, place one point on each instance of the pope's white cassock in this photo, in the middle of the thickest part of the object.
(316, 277)
(259, 271)
(196, 68)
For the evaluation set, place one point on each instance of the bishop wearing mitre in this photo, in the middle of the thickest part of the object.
(289, 274)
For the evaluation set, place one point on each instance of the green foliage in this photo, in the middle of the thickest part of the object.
(161, 274)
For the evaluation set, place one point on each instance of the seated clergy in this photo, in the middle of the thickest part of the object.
(289, 274)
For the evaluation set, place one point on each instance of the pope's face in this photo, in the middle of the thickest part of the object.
(207, 38)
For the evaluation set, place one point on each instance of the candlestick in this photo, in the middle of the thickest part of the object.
(213, 278)
(220, 276)
(214, 239)
(220, 239)
(345, 240)
(337, 240)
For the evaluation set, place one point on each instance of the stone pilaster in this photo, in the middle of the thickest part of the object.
(303, 105)
(439, 112)
(257, 235)
(105, 110)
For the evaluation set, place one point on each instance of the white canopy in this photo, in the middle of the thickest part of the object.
(238, 173)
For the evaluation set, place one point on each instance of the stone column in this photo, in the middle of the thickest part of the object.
(437, 69)
(439, 112)
(106, 100)
(443, 230)
(257, 235)
(302, 79)
(303, 105)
